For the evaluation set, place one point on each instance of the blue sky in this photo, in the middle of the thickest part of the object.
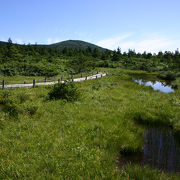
(143, 25)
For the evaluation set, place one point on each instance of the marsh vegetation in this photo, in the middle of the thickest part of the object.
(88, 129)
(81, 139)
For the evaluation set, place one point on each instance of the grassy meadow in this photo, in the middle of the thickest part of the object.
(56, 139)
(29, 79)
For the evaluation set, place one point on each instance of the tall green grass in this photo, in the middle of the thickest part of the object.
(56, 139)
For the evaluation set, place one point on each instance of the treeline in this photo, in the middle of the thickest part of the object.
(44, 60)
(167, 61)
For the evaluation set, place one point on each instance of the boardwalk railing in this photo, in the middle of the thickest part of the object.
(34, 83)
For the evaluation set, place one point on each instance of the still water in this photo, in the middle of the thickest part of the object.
(161, 150)
(156, 85)
(1, 107)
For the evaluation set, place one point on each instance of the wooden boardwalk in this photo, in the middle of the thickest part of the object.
(9, 86)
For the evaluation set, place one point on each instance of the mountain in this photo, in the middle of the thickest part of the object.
(3, 43)
(76, 44)
(72, 44)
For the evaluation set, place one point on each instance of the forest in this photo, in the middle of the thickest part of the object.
(95, 129)
(44, 60)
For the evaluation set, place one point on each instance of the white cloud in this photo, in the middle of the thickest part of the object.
(3, 39)
(153, 45)
(29, 42)
(56, 40)
(149, 43)
(51, 41)
(18, 41)
(113, 43)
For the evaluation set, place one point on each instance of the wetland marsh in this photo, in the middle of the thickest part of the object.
(82, 139)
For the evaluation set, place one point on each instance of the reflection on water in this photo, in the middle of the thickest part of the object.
(156, 85)
(1, 107)
(161, 150)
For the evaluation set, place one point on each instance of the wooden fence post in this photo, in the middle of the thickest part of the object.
(24, 82)
(3, 84)
(81, 75)
(59, 80)
(101, 75)
(72, 77)
(96, 77)
(34, 83)
(45, 80)
(86, 78)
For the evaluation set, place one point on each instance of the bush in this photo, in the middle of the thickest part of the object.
(5, 97)
(31, 109)
(167, 75)
(175, 86)
(12, 110)
(67, 91)
(23, 97)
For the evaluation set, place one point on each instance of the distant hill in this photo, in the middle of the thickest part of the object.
(72, 44)
(76, 44)
(3, 43)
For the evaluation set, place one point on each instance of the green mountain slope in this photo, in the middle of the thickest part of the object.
(3, 43)
(73, 44)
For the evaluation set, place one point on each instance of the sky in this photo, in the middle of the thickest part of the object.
(141, 25)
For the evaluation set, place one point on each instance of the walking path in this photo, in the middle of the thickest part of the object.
(51, 83)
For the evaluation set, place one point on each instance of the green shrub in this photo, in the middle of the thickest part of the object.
(175, 86)
(23, 97)
(67, 91)
(12, 110)
(5, 97)
(178, 74)
(167, 75)
(10, 103)
(31, 110)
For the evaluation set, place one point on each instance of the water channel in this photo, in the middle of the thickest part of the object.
(156, 85)
(1, 107)
(161, 150)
